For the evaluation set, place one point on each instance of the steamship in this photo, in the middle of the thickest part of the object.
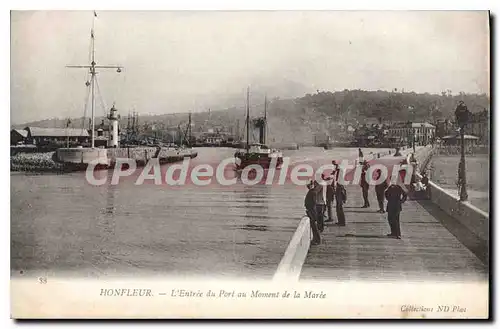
(257, 153)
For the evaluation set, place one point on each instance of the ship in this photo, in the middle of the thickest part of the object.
(105, 156)
(257, 153)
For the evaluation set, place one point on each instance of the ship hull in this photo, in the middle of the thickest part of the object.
(263, 160)
(78, 159)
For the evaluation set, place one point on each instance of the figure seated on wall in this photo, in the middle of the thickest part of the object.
(413, 160)
(425, 179)
(420, 188)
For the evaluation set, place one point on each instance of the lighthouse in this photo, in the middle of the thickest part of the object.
(113, 127)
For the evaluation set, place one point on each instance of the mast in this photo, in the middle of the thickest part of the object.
(189, 130)
(132, 128)
(238, 132)
(92, 70)
(179, 130)
(92, 82)
(248, 118)
(128, 127)
(92, 79)
(137, 126)
(68, 122)
(265, 119)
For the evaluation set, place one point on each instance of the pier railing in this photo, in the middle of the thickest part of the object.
(295, 255)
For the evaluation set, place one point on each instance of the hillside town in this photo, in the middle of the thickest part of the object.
(369, 134)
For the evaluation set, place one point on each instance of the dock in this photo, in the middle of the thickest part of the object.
(362, 251)
(443, 239)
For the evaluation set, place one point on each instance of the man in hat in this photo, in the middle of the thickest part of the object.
(360, 155)
(336, 171)
(330, 191)
(310, 205)
(364, 184)
(396, 196)
(380, 190)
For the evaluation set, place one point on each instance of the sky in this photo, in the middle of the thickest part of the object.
(192, 60)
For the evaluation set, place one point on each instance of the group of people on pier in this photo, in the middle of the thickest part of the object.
(320, 198)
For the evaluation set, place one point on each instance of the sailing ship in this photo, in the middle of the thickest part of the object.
(104, 156)
(257, 153)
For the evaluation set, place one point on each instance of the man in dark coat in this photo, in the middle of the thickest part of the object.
(310, 205)
(330, 195)
(396, 196)
(341, 198)
(360, 156)
(364, 185)
(336, 171)
(380, 190)
(320, 205)
(330, 191)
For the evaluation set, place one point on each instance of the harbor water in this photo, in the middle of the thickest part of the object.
(63, 226)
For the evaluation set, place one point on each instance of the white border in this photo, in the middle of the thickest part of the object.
(179, 5)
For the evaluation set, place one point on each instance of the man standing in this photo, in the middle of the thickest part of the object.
(330, 194)
(341, 198)
(320, 205)
(360, 156)
(330, 191)
(336, 171)
(395, 196)
(310, 205)
(380, 190)
(364, 185)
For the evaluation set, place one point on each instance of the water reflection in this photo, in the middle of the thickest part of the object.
(110, 200)
(255, 201)
(106, 222)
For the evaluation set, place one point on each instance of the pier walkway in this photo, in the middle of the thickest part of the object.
(432, 246)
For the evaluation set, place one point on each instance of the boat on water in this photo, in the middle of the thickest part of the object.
(257, 153)
(105, 156)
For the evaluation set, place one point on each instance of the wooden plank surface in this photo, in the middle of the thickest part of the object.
(361, 250)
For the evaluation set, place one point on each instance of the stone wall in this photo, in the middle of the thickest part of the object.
(474, 219)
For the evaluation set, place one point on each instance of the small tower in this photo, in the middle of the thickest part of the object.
(113, 127)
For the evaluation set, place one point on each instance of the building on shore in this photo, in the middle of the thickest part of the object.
(53, 136)
(375, 134)
(102, 134)
(18, 136)
(454, 140)
(445, 128)
(422, 133)
(479, 125)
(211, 138)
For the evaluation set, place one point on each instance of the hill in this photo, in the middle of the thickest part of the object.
(299, 119)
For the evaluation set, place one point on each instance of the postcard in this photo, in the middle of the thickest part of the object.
(250, 164)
